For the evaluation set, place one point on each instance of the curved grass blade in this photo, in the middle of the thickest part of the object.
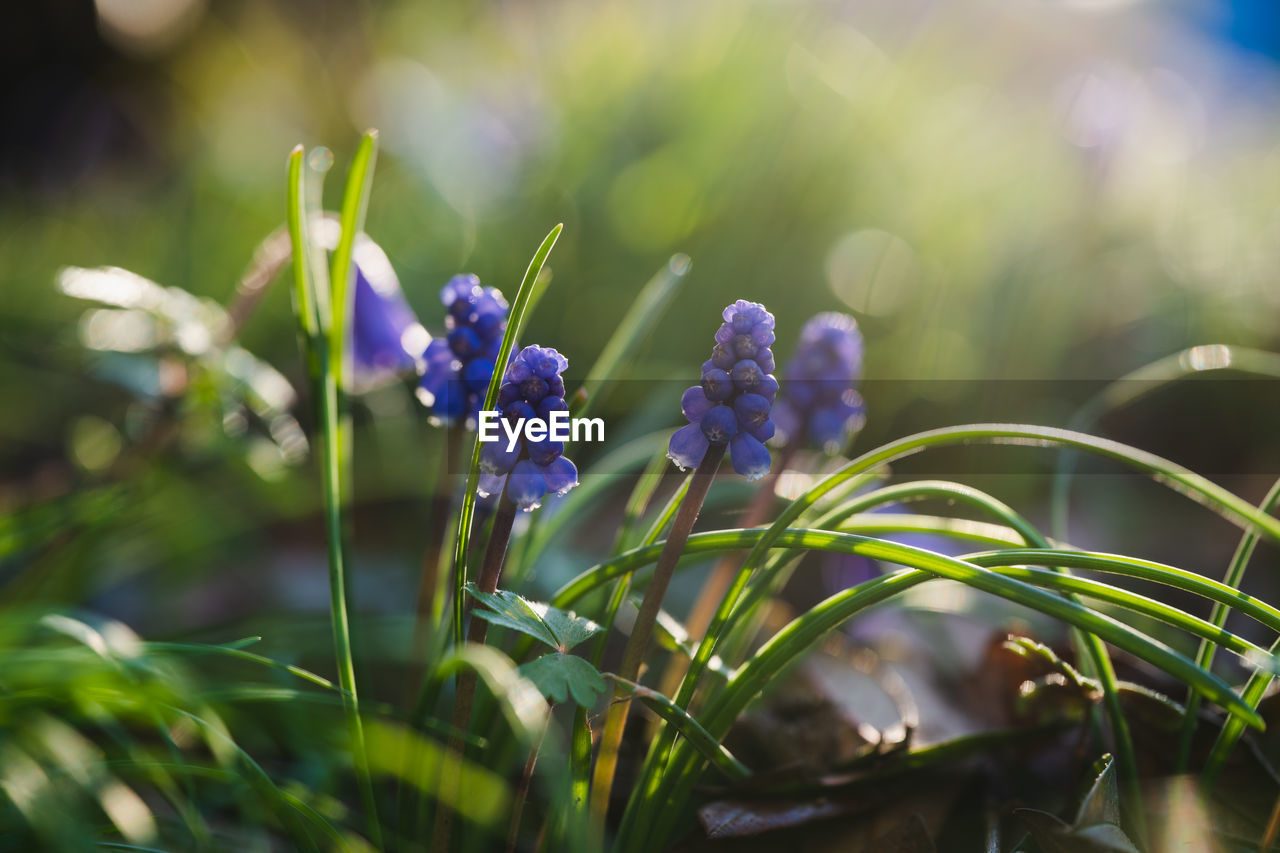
(692, 731)
(1133, 567)
(807, 629)
(1204, 656)
(639, 320)
(969, 573)
(1163, 471)
(260, 779)
(231, 651)
(777, 569)
(1131, 601)
(1143, 382)
(515, 322)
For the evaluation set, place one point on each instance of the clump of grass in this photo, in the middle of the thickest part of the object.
(502, 734)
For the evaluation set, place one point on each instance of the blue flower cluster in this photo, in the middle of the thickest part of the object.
(458, 366)
(820, 402)
(531, 388)
(732, 405)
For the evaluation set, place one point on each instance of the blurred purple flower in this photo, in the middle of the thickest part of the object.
(387, 339)
(459, 366)
(821, 403)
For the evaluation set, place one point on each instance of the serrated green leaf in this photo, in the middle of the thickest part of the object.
(509, 610)
(559, 629)
(560, 676)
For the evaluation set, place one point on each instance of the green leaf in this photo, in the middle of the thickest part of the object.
(1101, 803)
(560, 676)
(1097, 825)
(477, 794)
(1106, 836)
(559, 629)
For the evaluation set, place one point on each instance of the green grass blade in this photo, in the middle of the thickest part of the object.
(1168, 473)
(593, 484)
(1233, 729)
(303, 291)
(966, 572)
(1143, 382)
(800, 635)
(290, 808)
(663, 520)
(638, 501)
(1204, 656)
(639, 320)
(1091, 649)
(355, 202)
(1138, 604)
(692, 731)
(515, 322)
(335, 477)
(1133, 567)
(771, 576)
(196, 648)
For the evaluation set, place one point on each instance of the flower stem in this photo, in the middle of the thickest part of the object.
(490, 572)
(431, 592)
(717, 583)
(638, 642)
(522, 795)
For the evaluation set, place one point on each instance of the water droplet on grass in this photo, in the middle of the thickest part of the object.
(320, 159)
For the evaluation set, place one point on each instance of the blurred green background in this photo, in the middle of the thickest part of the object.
(1048, 193)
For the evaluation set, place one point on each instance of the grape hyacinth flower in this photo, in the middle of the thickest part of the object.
(821, 403)
(386, 338)
(531, 388)
(459, 366)
(733, 403)
(729, 410)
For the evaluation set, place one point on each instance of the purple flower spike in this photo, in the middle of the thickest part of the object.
(822, 404)
(531, 388)
(732, 403)
(458, 367)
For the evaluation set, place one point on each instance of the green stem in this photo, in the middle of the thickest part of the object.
(490, 572)
(638, 642)
(338, 602)
(325, 349)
